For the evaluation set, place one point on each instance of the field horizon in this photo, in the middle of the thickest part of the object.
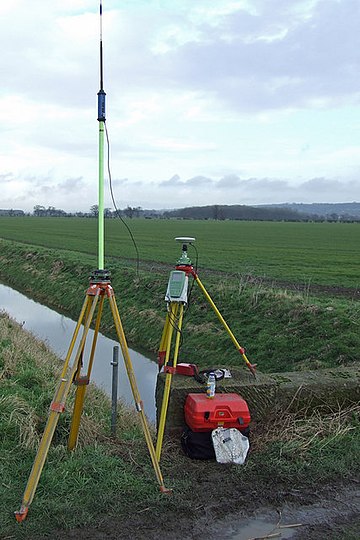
(305, 253)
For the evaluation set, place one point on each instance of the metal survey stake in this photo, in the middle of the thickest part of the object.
(114, 388)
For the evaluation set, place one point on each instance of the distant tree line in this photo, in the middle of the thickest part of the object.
(51, 211)
(12, 212)
(129, 211)
(214, 212)
(251, 213)
(234, 212)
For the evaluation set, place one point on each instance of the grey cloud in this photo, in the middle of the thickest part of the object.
(71, 184)
(229, 181)
(326, 185)
(315, 56)
(316, 59)
(195, 181)
(44, 64)
(6, 178)
(173, 181)
(198, 181)
(120, 181)
(38, 185)
(45, 190)
(266, 183)
(232, 189)
(233, 182)
(37, 180)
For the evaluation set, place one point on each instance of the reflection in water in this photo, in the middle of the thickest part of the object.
(262, 528)
(56, 331)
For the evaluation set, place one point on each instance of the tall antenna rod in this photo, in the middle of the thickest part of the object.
(101, 118)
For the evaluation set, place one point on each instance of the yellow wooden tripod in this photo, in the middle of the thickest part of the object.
(99, 289)
(176, 298)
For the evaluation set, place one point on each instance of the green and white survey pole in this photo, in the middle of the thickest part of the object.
(101, 119)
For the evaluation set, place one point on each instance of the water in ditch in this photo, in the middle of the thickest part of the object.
(57, 330)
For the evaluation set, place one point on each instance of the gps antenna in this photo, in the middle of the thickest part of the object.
(101, 118)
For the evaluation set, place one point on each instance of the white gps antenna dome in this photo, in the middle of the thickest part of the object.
(185, 239)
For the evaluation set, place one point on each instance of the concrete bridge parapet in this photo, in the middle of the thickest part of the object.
(296, 392)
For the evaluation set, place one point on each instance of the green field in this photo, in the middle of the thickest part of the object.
(306, 253)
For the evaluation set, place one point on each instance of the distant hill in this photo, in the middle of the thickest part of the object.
(333, 210)
(271, 212)
(241, 212)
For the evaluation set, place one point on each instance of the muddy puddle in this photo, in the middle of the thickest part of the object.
(261, 528)
(290, 521)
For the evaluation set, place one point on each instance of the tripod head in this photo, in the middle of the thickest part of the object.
(185, 240)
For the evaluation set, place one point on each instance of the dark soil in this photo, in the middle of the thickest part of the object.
(219, 505)
(332, 513)
(310, 288)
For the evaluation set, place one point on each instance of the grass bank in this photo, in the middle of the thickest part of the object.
(70, 484)
(107, 486)
(281, 330)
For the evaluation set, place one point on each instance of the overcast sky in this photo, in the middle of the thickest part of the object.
(208, 102)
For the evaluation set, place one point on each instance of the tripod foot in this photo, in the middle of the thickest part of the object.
(21, 514)
(252, 368)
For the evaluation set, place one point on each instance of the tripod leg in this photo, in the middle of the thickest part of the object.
(225, 325)
(57, 407)
(135, 391)
(82, 383)
(168, 378)
(163, 347)
(170, 320)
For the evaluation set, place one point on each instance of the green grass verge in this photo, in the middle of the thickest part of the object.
(281, 331)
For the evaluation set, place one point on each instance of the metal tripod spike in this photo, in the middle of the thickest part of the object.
(100, 289)
(176, 299)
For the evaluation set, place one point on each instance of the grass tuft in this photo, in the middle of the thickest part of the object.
(17, 415)
(301, 431)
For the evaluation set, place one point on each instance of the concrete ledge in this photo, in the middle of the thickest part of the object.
(326, 389)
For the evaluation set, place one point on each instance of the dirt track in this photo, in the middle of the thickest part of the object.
(318, 516)
(304, 288)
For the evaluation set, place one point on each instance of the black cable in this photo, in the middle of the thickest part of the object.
(193, 281)
(173, 320)
(197, 256)
(114, 203)
(219, 373)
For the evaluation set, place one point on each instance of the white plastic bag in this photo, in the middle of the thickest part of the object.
(230, 445)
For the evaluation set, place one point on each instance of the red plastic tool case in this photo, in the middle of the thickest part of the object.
(225, 410)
